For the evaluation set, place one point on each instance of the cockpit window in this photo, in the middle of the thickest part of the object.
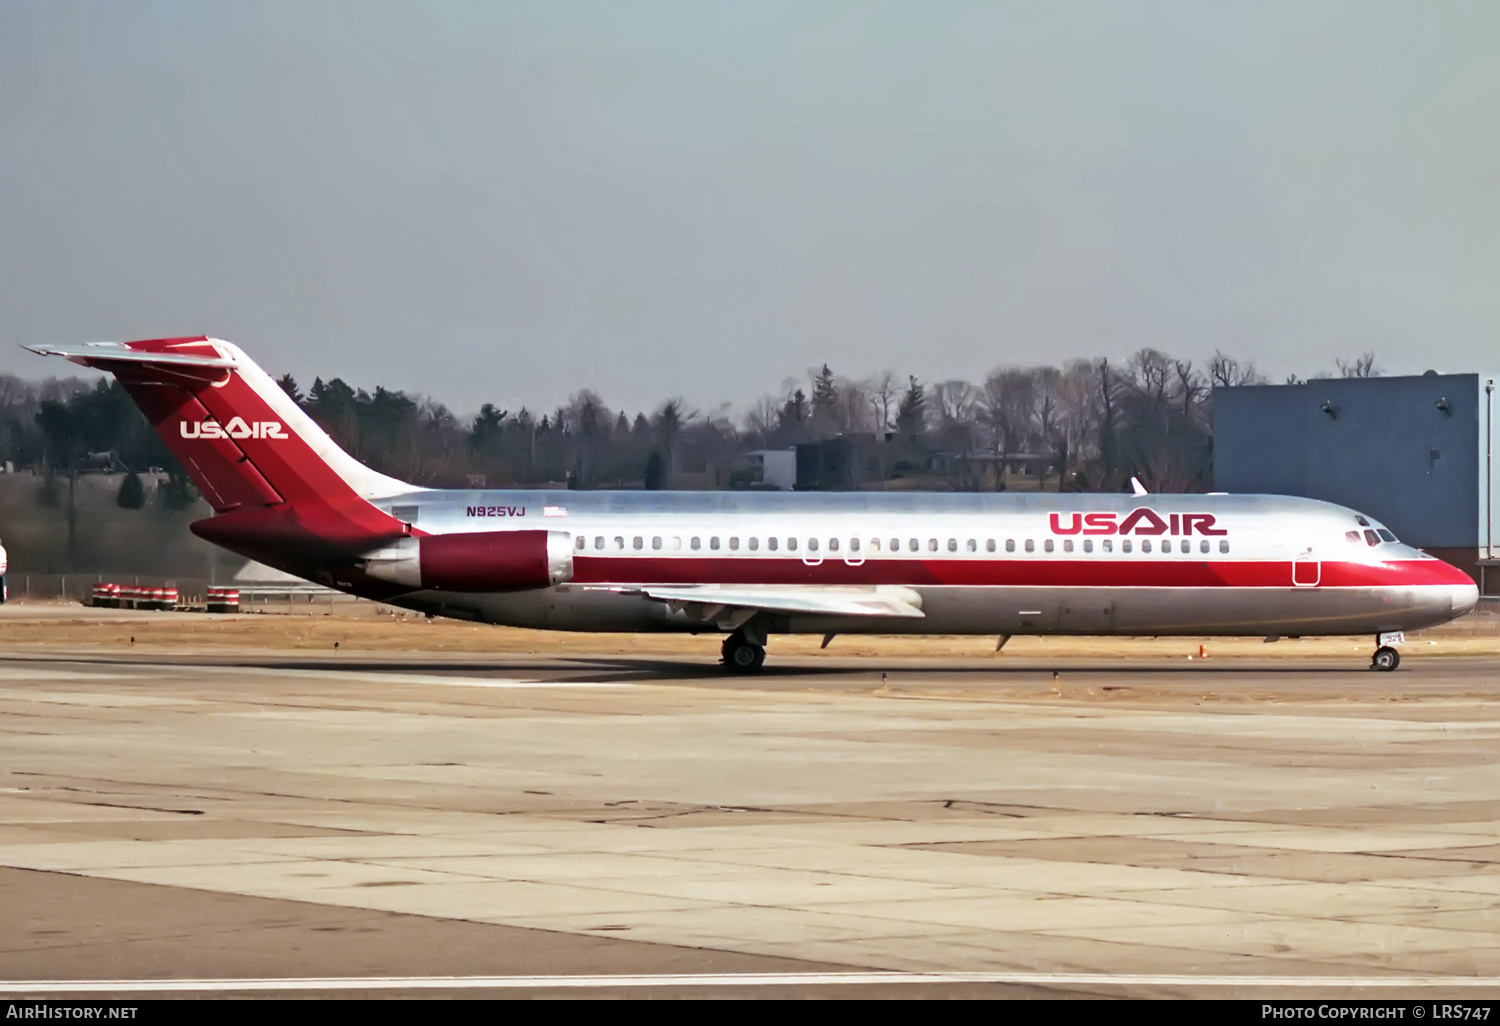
(1352, 536)
(1385, 535)
(1372, 537)
(1361, 521)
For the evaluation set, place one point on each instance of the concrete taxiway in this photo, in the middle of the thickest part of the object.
(1142, 828)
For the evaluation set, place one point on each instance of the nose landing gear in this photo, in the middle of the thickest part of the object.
(1386, 657)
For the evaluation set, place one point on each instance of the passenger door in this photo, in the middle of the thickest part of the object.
(1307, 569)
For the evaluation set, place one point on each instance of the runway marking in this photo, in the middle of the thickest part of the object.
(842, 979)
(462, 682)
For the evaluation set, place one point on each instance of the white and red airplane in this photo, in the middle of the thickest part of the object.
(752, 564)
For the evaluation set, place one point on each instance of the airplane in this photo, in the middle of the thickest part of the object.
(753, 564)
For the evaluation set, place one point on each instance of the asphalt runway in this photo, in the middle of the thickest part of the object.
(544, 825)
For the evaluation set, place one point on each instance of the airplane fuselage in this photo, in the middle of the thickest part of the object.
(1005, 563)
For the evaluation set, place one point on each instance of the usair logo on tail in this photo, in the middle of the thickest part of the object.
(236, 428)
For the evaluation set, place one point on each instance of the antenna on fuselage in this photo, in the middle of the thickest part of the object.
(1137, 488)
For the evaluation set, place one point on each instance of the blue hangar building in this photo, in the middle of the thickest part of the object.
(1414, 452)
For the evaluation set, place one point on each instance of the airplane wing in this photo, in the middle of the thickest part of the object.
(730, 605)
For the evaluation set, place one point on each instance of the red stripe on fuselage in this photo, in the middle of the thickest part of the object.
(1144, 572)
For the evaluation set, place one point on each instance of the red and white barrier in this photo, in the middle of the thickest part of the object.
(133, 596)
(223, 600)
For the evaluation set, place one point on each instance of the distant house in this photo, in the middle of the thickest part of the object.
(760, 470)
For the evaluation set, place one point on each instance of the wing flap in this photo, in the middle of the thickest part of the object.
(712, 600)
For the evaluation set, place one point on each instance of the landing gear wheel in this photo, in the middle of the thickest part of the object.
(741, 655)
(1386, 659)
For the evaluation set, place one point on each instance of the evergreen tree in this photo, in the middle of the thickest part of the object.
(132, 494)
(911, 415)
(655, 474)
(794, 413)
(289, 386)
(825, 398)
(485, 432)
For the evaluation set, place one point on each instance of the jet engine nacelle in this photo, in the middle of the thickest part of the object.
(475, 561)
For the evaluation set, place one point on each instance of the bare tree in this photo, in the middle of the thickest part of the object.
(1362, 366)
(1189, 387)
(882, 395)
(762, 420)
(1227, 372)
(1007, 408)
(853, 409)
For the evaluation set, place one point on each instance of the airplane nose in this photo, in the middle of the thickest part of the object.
(1463, 593)
(1464, 597)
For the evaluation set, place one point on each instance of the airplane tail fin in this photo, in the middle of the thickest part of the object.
(259, 460)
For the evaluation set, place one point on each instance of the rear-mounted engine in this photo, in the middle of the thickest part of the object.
(479, 561)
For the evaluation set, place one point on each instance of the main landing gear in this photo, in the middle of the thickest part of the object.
(741, 654)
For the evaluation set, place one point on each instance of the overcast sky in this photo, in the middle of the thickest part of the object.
(505, 201)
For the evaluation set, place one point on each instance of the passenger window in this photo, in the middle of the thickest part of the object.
(952, 544)
(1145, 544)
(771, 544)
(989, 546)
(1107, 545)
(1185, 545)
(1088, 545)
(1067, 544)
(1010, 545)
(599, 541)
(874, 544)
(656, 542)
(1203, 545)
(1030, 545)
(812, 545)
(931, 544)
(734, 544)
(854, 545)
(1223, 545)
(1047, 544)
(638, 542)
(619, 544)
(973, 545)
(676, 543)
(833, 544)
(913, 545)
(1125, 545)
(895, 544)
(713, 543)
(695, 543)
(753, 543)
(580, 542)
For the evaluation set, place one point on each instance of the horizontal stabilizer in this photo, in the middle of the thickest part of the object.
(93, 354)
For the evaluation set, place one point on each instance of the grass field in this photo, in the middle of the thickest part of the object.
(367, 627)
